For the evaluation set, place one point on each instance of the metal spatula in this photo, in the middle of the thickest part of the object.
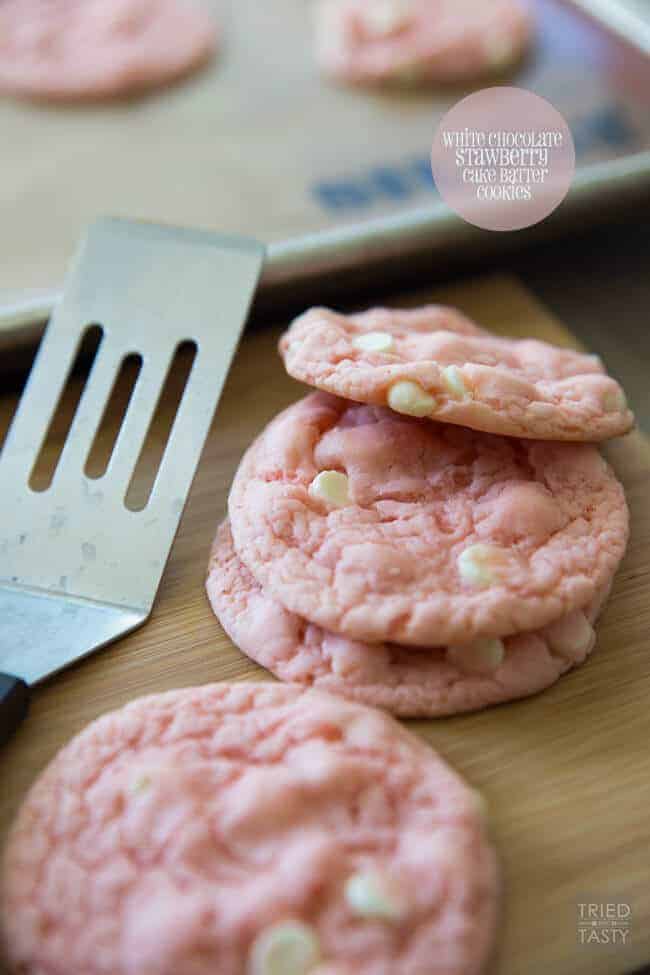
(78, 569)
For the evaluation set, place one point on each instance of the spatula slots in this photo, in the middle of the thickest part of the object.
(78, 568)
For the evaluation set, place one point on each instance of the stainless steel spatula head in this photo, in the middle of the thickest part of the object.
(78, 569)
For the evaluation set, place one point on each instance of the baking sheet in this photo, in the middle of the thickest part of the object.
(260, 144)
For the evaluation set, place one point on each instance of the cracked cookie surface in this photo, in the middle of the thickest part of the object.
(457, 372)
(203, 829)
(446, 535)
(406, 681)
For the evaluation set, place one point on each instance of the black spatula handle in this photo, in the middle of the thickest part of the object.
(14, 704)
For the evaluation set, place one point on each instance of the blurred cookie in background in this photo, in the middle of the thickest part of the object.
(419, 41)
(90, 49)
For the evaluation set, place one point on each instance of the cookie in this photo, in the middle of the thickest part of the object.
(408, 682)
(433, 362)
(385, 528)
(75, 49)
(419, 41)
(248, 829)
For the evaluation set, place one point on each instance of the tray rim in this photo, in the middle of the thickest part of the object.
(619, 19)
(427, 231)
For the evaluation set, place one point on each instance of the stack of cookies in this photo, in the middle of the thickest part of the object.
(433, 531)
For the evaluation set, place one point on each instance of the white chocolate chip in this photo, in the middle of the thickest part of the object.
(409, 74)
(454, 382)
(571, 636)
(480, 804)
(374, 342)
(141, 784)
(614, 400)
(332, 487)
(382, 18)
(371, 895)
(480, 657)
(476, 564)
(409, 398)
(287, 948)
(499, 51)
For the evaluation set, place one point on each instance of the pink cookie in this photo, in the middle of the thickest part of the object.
(434, 362)
(419, 41)
(248, 829)
(386, 528)
(71, 49)
(411, 683)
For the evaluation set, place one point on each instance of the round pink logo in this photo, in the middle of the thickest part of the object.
(503, 158)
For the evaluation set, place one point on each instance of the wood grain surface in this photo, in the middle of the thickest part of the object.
(565, 773)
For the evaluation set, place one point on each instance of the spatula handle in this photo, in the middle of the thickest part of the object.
(14, 704)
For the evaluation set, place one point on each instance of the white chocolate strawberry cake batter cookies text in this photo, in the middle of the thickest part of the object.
(419, 41)
(248, 830)
(444, 536)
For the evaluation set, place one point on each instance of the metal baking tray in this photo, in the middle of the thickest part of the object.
(337, 182)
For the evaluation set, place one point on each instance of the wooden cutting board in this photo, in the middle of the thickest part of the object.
(565, 773)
